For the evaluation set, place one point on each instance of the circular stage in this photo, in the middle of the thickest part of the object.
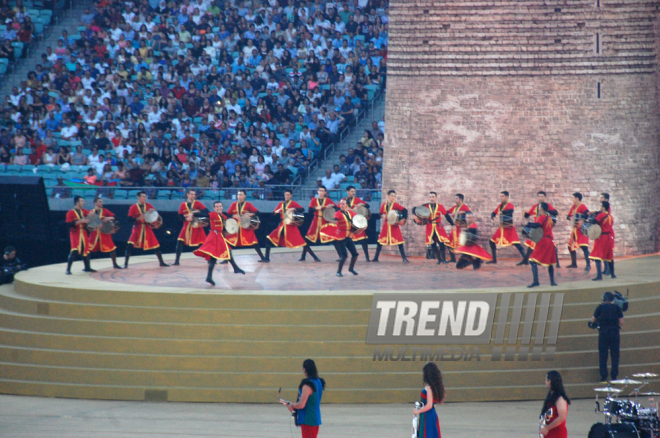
(151, 333)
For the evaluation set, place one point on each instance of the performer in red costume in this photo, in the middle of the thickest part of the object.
(471, 252)
(101, 242)
(606, 197)
(457, 212)
(215, 246)
(340, 233)
(578, 214)
(555, 407)
(189, 235)
(142, 236)
(80, 246)
(436, 236)
(544, 253)
(316, 207)
(390, 235)
(245, 236)
(287, 235)
(532, 214)
(506, 233)
(353, 201)
(603, 250)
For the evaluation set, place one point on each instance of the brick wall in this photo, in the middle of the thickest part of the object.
(478, 129)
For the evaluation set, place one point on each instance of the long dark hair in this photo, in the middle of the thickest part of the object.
(556, 390)
(433, 377)
(312, 373)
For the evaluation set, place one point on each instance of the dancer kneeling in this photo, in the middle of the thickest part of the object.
(215, 246)
(544, 253)
(470, 252)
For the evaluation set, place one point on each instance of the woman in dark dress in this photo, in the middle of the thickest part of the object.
(433, 392)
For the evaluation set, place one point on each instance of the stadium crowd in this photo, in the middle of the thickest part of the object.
(201, 93)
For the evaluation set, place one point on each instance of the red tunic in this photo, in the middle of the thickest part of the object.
(78, 233)
(559, 431)
(544, 252)
(191, 236)
(339, 230)
(390, 234)
(215, 244)
(456, 230)
(314, 232)
(244, 237)
(577, 238)
(286, 235)
(604, 245)
(352, 203)
(473, 250)
(434, 225)
(505, 236)
(613, 239)
(533, 214)
(98, 241)
(142, 236)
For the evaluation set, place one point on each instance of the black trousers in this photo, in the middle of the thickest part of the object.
(608, 342)
(344, 247)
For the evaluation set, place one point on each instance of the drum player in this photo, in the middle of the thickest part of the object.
(577, 214)
(316, 208)
(506, 233)
(390, 233)
(353, 202)
(470, 251)
(77, 220)
(100, 241)
(142, 236)
(245, 237)
(287, 233)
(531, 215)
(603, 250)
(341, 233)
(190, 235)
(436, 236)
(458, 213)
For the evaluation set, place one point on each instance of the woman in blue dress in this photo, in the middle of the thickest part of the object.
(433, 392)
(308, 406)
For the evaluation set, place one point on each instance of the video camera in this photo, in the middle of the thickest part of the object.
(620, 300)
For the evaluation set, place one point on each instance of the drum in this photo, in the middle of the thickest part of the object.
(533, 234)
(199, 222)
(467, 239)
(363, 210)
(94, 221)
(231, 226)
(250, 222)
(423, 213)
(506, 221)
(593, 231)
(394, 217)
(152, 218)
(329, 214)
(293, 218)
(618, 430)
(359, 223)
(612, 406)
(110, 227)
(461, 220)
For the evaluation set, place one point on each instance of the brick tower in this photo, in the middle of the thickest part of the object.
(526, 95)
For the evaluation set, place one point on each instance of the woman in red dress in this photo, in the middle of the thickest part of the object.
(544, 253)
(555, 408)
(215, 246)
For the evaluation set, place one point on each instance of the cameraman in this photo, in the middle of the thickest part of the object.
(10, 265)
(608, 318)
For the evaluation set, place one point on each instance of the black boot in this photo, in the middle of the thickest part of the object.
(379, 247)
(573, 260)
(476, 264)
(179, 250)
(493, 251)
(551, 273)
(304, 253)
(237, 270)
(441, 254)
(88, 267)
(586, 258)
(606, 271)
(612, 268)
(535, 273)
(521, 250)
(525, 260)
(452, 256)
(351, 266)
(599, 275)
(160, 258)
(403, 254)
(557, 256)
(311, 252)
(113, 256)
(267, 257)
(72, 257)
(127, 255)
(341, 265)
(428, 252)
(365, 248)
(209, 274)
(261, 255)
(464, 261)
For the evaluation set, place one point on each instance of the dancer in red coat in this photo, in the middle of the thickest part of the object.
(506, 233)
(316, 207)
(142, 236)
(544, 253)
(390, 234)
(190, 235)
(606, 197)
(458, 213)
(215, 246)
(353, 201)
(245, 236)
(471, 252)
(287, 234)
(578, 214)
(436, 236)
(531, 215)
(341, 235)
(603, 250)
(77, 220)
(101, 242)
